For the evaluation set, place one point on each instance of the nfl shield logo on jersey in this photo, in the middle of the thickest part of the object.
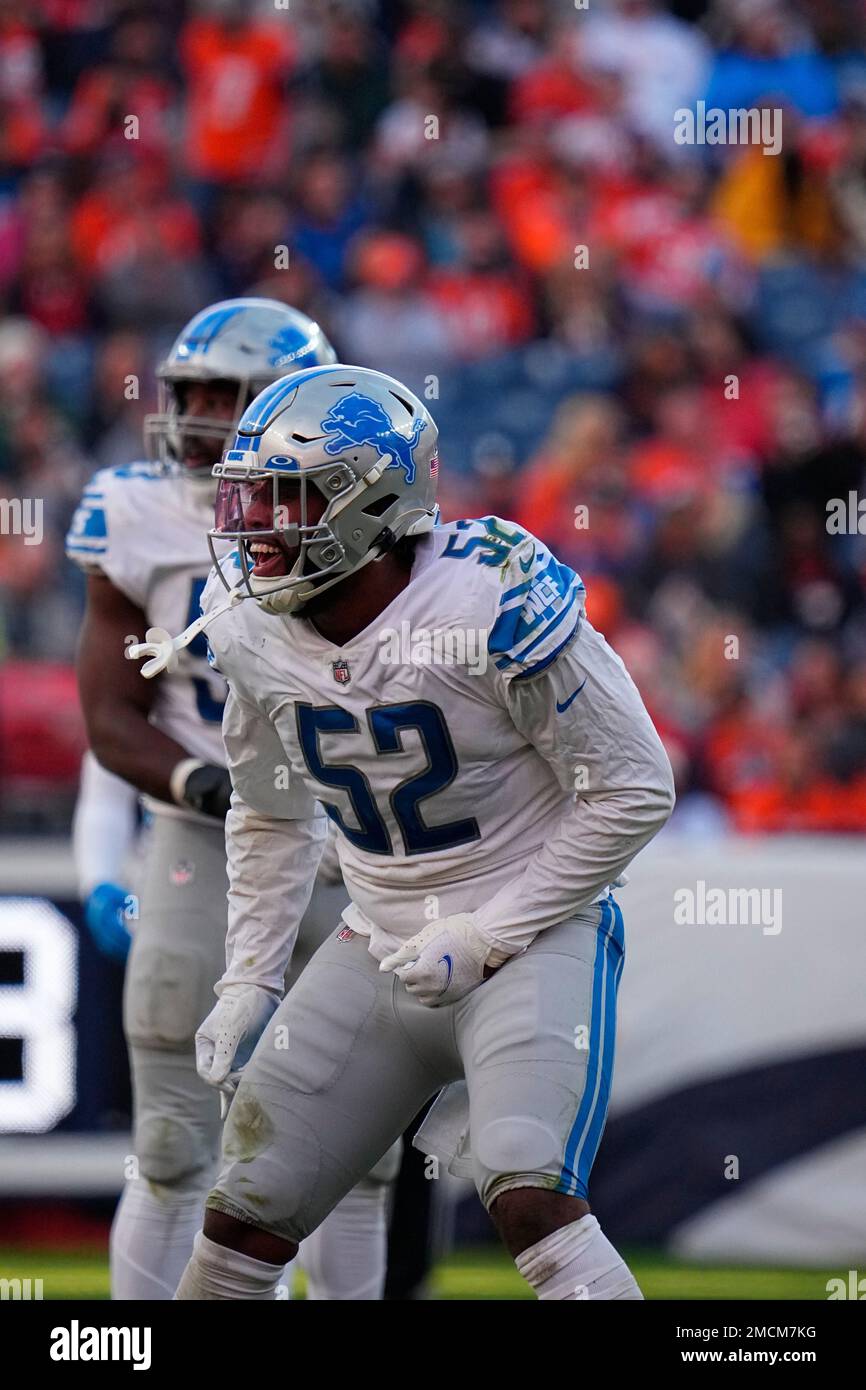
(182, 873)
(342, 674)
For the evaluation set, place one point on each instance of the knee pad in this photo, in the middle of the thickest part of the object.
(173, 1152)
(519, 1136)
(271, 1176)
(386, 1170)
(167, 996)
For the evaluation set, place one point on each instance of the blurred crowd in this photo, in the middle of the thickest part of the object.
(652, 354)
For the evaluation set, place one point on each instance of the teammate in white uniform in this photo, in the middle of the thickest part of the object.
(140, 535)
(104, 832)
(486, 796)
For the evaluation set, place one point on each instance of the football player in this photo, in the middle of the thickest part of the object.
(104, 832)
(139, 534)
(490, 776)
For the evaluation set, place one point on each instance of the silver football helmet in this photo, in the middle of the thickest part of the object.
(246, 342)
(329, 468)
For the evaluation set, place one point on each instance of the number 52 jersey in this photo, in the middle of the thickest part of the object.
(450, 741)
(146, 532)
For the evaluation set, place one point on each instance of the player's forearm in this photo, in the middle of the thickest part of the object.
(127, 744)
(594, 843)
(115, 700)
(272, 867)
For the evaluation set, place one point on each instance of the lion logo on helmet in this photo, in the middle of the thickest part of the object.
(356, 420)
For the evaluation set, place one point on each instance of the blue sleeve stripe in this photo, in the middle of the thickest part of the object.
(553, 570)
(562, 575)
(513, 593)
(551, 657)
(86, 549)
(552, 624)
(504, 634)
(88, 524)
(507, 631)
(513, 630)
(535, 613)
(517, 629)
(143, 471)
(521, 651)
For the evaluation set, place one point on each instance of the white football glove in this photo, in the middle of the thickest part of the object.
(443, 962)
(226, 1040)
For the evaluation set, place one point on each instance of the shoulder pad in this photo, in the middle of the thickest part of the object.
(87, 537)
(103, 505)
(487, 541)
(149, 472)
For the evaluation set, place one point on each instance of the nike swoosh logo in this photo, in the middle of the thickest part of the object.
(561, 708)
(448, 961)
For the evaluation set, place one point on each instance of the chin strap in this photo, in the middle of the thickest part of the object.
(285, 600)
(162, 648)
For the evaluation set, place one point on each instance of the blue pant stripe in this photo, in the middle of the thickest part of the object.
(585, 1135)
(613, 969)
(567, 1179)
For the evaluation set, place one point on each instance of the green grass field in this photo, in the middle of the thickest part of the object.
(481, 1273)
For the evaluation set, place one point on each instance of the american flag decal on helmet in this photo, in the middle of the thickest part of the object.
(434, 466)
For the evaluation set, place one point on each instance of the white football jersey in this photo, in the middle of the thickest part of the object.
(145, 530)
(452, 739)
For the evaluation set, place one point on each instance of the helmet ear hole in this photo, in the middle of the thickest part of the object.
(380, 505)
